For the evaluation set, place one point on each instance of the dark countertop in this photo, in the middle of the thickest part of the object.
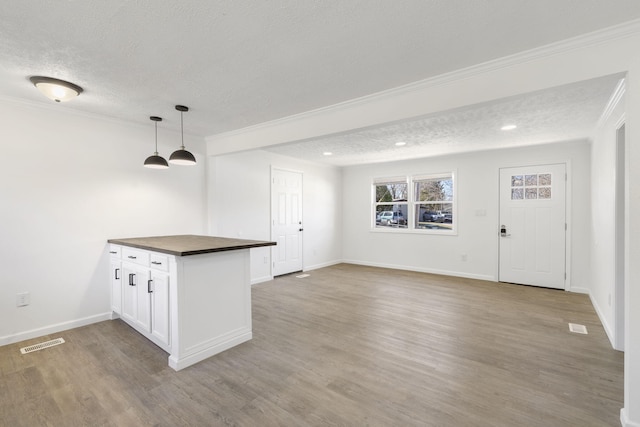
(189, 244)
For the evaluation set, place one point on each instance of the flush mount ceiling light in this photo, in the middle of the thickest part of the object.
(508, 127)
(400, 143)
(327, 153)
(182, 156)
(156, 161)
(55, 89)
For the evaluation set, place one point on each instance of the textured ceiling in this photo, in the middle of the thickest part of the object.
(565, 113)
(238, 63)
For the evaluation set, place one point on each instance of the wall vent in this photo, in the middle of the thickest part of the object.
(41, 346)
(578, 329)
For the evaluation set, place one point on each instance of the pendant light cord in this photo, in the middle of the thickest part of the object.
(181, 130)
(156, 137)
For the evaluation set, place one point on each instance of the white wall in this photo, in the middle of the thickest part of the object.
(239, 188)
(69, 182)
(603, 227)
(477, 190)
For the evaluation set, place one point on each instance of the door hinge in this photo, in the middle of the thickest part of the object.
(565, 276)
(565, 226)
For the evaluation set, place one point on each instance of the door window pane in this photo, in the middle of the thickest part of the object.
(517, 194)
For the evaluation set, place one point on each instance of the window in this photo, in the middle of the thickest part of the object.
(433, 202)
(390, 202)
(422, 202)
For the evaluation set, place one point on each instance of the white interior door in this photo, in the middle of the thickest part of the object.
(533, 225)
(286, 221)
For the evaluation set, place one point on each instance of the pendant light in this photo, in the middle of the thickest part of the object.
(155, 161)
(182, 156)
(56, 89)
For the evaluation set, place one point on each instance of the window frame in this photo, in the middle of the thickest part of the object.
(412, 203)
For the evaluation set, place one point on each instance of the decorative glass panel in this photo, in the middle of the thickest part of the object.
(530, 180)
(544, 179)
(531, 193)
(544, 192)
(517, 181)
(517, 194)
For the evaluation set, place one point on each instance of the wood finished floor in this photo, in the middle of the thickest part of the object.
(347, 346)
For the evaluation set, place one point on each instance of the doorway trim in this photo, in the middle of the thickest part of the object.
(619, 290)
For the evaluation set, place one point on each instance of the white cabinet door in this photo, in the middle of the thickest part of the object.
(143, 314)
(160, 306)
(135, 295)
(129, 293)
(116, 286)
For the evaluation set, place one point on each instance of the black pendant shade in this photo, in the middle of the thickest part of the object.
(182, 156)
(156, 161)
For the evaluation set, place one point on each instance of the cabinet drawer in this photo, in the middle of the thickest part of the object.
(136, 256)
(115, 251)
(159, 262)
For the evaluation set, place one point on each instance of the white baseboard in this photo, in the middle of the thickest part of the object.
(261, 280)
(603, 321)
(422, 270)
(322, 265)
(579, 290)
(52, 329)
(624, 419)
(191, 359)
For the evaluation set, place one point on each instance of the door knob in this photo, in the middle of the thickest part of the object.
(503, 231)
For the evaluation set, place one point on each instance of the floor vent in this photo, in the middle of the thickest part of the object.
(41, 346)
(302, 276)
(578, 329)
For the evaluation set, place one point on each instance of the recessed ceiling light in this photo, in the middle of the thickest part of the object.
(400, 143)
(508, 127)
(327, 153)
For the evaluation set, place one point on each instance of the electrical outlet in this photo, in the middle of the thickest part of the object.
(463, 257)
(23, 299)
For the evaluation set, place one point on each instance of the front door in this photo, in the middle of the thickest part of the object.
(533, 225)
(286, 221)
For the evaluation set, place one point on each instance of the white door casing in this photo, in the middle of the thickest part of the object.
(533, 225)
(286, 221)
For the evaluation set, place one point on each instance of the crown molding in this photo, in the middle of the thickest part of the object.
(608, 34)
(617, 95)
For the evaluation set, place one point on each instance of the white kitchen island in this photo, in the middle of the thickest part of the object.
(189, 294)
